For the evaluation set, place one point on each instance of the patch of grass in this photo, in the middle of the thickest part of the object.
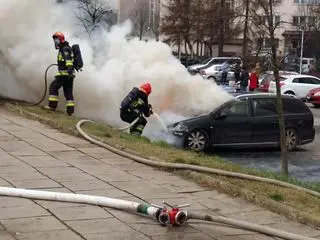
(301, 205)
(277, 197)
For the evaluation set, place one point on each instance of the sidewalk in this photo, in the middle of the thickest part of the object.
(35, 156)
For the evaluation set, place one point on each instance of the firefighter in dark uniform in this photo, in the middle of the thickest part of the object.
(64, 77)
(135, 105)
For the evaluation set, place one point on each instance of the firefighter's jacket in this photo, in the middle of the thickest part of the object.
(65, 60)
(136, 102)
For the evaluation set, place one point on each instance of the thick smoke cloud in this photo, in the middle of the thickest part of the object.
(113, 65)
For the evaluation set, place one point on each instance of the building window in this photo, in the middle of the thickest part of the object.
(263, 20)
(295, 20)
(303, 21)
(306, 1)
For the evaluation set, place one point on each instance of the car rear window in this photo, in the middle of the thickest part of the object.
(281, 79)
(294, 106)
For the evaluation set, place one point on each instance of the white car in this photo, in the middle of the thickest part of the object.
(298, 85)
(214, 73)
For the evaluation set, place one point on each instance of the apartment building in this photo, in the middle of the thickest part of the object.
(293, 16)
(127, 7)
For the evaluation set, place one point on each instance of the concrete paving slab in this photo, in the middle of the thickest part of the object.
(132, 235)
(108, 192)
(4, 183)
(85, 185)
(118, 175)
(258, 217)
(80, 212)
(33, 224)
(216, 230)
(49, 235)
(8, 160)
(247, 237)
(35, 183)
(108, 225)
(233, 207)
(6, 236)
(66, 173)
(13, 169)
(22, 211)
(188, 236)
(128, 217)
(43, 161)
(27, 175)
(15, 202)
(152, 229)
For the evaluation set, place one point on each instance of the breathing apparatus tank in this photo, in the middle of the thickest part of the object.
(77, 57)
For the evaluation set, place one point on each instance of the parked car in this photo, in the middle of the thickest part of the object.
(298, 85)
(213, 71)
(308, 64)
(314, 97)
(264, 79)
(194, 69)
(248, 120)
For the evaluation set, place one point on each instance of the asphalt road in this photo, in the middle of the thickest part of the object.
(304, 163)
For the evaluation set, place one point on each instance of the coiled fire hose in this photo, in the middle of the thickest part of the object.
(218, 219)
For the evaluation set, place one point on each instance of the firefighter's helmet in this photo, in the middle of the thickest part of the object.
(146, 87)
(59, 35)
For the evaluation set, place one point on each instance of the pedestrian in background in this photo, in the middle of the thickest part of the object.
(257, 69)
(225, 68)
(254, 83)
(237, 72)
(244, 79)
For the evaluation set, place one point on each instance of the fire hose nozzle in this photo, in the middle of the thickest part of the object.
(181, 217)
(164, 219)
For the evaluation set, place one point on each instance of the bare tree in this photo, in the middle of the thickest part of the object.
(93, 14)
(140, 18)
(155, 26)
(270, 27)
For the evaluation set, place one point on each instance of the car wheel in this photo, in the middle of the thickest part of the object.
(316, 105)
(197, 140)
(292, 139)
(213, 79)
(290, 93)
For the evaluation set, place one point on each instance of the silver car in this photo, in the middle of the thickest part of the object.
(214, 73)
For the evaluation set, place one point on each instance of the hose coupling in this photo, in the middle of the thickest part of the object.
(164, 218)
(181, 217)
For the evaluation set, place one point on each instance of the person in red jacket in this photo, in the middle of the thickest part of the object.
(254, 83)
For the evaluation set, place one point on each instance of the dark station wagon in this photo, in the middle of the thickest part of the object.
(248, 120)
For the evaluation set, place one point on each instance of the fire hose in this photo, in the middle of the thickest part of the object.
(165, 216)
(181, 166)
(136, 120)
(228, 221)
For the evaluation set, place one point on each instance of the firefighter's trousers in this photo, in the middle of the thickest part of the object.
(67, 84)
(129, 117)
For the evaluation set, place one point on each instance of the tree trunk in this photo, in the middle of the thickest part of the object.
(221, 27)
(245, 32)
(284, 157)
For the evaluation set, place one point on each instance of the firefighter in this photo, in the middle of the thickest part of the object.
(64, 77)
(135, 105)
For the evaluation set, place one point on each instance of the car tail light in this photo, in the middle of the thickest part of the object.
(202, 72)
(281, 84)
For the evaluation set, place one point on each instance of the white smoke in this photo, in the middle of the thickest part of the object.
(113, 65)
